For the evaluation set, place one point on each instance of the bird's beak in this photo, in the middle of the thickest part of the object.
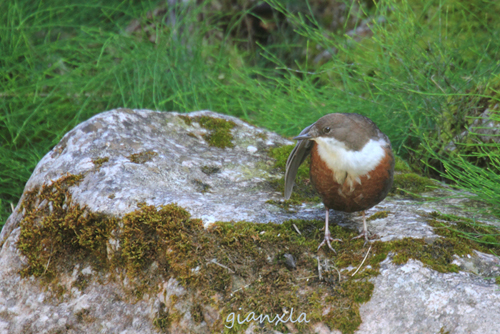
(303, 137)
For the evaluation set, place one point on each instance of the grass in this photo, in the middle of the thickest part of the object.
(429, 70)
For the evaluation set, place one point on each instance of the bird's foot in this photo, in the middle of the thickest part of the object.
(327, 239)
(363, 234)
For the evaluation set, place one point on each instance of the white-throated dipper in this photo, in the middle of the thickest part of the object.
(352, 164)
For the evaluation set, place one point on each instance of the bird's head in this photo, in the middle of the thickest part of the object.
(351, 131)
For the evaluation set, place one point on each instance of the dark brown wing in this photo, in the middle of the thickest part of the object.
(295, 159)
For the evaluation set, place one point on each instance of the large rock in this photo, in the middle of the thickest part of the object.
(129, 158)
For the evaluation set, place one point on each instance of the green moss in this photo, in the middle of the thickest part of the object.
(443, 331)
(233, 267)
(83, 316)
(411, 184)
(209, 170)
(408, 183)
(165, 317)
(240, 263)
(469, 233)
(273, 285)
(460, 236)
(378, 215)
(286, 204)
(353, 291)
(303, 191)
(219, 130)
(497, 280)
(262, 135)
(437, 255)
(401, 165)
(186, 119)
(100, 161)
(81, 282)
(54, 227)
(142, 157)
(201, 186)
(147, 235)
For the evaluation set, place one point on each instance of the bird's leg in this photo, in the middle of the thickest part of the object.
(328, 236)
(365, 230)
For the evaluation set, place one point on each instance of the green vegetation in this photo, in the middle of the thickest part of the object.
(408, 183)
(423, 70)
(142, 157)
(100, 161)
(242, 263)
(438, 255)
(219, 134)
(401, 165)
(378, 215)
(209, 170)
(201, 186)
(411, 184)
(469, 233)
(443, 331)
(53, 228)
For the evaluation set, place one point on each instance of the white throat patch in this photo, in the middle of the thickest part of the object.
(353, 164)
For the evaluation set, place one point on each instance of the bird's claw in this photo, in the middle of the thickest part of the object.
(363, 234)
(327, 239)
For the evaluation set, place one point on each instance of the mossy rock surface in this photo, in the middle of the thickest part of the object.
(231, 267)
(219, 130)
(228, 266)
(409, 183)
(105, 243)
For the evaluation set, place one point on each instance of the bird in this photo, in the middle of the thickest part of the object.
(351, 166)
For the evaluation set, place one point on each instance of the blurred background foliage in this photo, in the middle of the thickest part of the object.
(426, 71)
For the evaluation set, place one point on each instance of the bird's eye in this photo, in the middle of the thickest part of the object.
(326, 130)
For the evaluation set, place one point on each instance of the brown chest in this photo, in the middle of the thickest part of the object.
(351, 193)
